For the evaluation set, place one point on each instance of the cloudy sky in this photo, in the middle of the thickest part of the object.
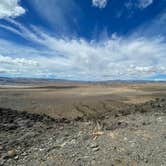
(83, 39)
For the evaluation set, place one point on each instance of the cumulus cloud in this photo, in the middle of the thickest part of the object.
(99, 3)
(10, 8)
(114, 58)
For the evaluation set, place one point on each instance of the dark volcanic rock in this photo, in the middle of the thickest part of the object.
(11, 119)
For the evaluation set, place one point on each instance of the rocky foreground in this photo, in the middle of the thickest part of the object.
(132, 135)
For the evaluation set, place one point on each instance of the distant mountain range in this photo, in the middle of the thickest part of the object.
(6, 81)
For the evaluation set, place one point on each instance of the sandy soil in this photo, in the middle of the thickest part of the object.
(72, 100)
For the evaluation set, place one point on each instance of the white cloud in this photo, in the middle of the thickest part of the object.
(154, 27)
(10, 8)
(144, 3)
(17, 61)
(141, 4)
(114, 58)
(17, 66)
(130, 4)
(99, 3)
(60, 14)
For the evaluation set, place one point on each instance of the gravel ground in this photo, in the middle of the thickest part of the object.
(131, 136)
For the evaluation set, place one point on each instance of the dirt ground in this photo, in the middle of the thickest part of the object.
(122, 124)
(72, 100)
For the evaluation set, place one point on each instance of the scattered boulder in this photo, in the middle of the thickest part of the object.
(11, 153)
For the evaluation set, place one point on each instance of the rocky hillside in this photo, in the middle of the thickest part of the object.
(131, 135)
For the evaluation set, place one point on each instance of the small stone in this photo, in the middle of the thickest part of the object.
(94, 145)
(1, 147)
(61, 128)
(2, 162)
(144, 123)
(93, 162)
(125, 138)
(11, 153)
(24, 154)
(16, 157)
(96, 149)
(146, 160)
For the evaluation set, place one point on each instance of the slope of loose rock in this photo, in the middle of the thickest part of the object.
(133, 135)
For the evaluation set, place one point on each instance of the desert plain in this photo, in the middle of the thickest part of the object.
(71, 100)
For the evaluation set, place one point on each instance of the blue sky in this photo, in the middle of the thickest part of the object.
(83, 39)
